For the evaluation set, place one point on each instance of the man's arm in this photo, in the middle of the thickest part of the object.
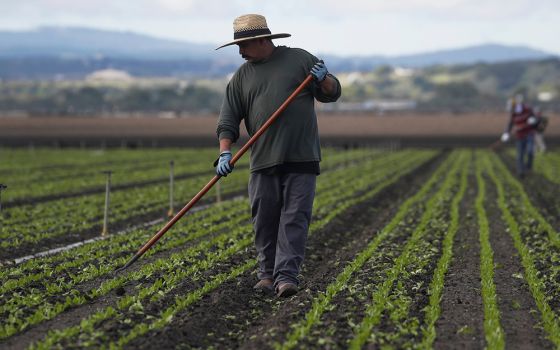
(225, 145)
(329, 86)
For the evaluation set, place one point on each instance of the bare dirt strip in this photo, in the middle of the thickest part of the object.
(462, 314)
(198, 127)
(519, 314)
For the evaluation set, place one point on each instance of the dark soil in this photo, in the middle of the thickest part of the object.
(518, 311)
(236, 316)
(460, 323)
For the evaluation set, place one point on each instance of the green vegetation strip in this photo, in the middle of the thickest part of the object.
(535, 234)
(103, 252)
(533, 212)
(374, 310)
(536, 285)
(16, 323)
(433, 310)
(36, 223)
(322, 301)
(85, 213)
(156, 291)
(418, 158)
(182, 303)
(54, 288)
(493, 330)
(165, 318)
(68, 268)
(548, 165)
(401, 324)
(127, 167)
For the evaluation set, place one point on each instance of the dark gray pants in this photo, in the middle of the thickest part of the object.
(281, 209)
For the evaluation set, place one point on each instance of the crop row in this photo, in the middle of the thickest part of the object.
(127, 168)
(76, 260)
(34, 223)
(94, 179)
(51, 310)
(51, 166)
(493, 330)
(370, 277)
(88, 252)
(181, 302)
(66, 161)
(536, 241)
(548, 165)
(404, 285)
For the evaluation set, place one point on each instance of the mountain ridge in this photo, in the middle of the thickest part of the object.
(146, 55)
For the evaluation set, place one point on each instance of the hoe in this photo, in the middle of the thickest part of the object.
(216, 178)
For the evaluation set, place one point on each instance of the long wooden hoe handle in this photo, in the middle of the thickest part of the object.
(216, 178)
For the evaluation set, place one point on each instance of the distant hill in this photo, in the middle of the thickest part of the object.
(488, 53)
(69, 52)
(76, 42)
(73, 53)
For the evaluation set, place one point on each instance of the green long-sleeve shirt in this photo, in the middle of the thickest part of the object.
(257, 90)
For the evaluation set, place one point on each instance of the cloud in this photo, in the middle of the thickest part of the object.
(331, 9)
(369, 26)
(477, 10)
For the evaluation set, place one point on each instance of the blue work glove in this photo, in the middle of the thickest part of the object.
(223, 167)
(319, 71)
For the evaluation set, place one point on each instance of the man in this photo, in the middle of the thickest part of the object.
(285, 159)
(523, 122)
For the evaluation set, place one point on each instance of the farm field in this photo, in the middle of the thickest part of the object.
(408, 248)
(446, 129)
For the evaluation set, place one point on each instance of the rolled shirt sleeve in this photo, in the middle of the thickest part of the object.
(231, 112)
(321, 97)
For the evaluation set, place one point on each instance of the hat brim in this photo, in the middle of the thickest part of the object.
(271, 36)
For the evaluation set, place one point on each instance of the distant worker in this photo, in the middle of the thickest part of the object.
(285, 159)
(542, 122)
(523, 123)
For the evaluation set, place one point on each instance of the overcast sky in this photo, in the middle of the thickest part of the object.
(343, 27)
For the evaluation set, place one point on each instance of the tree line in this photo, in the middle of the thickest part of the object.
(459, 88)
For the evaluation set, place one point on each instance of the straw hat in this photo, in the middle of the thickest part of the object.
(249, 27)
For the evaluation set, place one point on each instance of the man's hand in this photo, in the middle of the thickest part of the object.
(223, 167)
(319, 71)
